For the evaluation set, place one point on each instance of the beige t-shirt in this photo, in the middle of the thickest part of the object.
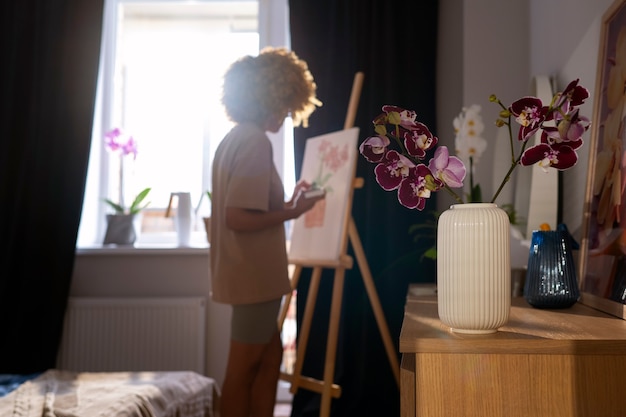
(246, 267)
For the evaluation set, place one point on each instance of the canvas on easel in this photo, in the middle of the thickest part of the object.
(329, 163)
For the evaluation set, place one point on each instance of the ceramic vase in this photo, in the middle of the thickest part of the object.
(183, 221)
(474, 268)
(122, 229)
(551, 274)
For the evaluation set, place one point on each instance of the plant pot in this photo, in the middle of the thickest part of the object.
(474, 268)
(122, 229)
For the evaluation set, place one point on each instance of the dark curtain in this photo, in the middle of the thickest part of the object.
(394, 44)
(50, 52)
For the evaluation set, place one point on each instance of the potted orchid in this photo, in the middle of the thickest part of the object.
(473, 248)
(120, 225)
(123, 145)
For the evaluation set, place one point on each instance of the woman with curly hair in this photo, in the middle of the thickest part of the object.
(248, 250)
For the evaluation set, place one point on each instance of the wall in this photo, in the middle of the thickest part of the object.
(499, 47)
(570, 51)
(156, 272)
(484, 50)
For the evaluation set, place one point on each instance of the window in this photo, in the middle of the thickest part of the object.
(160, 80)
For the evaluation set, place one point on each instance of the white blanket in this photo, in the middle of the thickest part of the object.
(58, 393)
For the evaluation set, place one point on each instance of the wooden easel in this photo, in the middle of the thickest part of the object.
(326, 387)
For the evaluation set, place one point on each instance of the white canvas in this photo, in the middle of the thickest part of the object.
(329, 161)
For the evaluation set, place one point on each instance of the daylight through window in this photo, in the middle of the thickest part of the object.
(160, 81)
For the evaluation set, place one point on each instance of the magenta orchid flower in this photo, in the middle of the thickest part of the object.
(560, 157)
(529, 113)
(130, 147)
(391, 171)
(400, 117)
(570, 129)
(565, 104)
(419, 140)
(417, 187)
(374, 148)
(117, 141)
(555, 136)
(448, 169)
(573, 95)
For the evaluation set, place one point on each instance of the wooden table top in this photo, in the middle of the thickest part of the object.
(576, 330)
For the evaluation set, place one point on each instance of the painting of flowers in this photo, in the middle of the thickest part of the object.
(331, 158)
(329, 163)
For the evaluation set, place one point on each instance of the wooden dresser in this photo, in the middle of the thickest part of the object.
(543, 363)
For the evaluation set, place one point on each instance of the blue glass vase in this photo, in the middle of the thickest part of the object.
(551, 275)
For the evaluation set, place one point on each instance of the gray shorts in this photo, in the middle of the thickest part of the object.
(255, 323)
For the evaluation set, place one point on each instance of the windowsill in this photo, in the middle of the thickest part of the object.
(151, 244)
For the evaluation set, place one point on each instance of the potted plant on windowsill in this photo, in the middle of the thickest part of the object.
(122, 223)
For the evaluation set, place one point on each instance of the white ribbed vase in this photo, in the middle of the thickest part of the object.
(473, 268)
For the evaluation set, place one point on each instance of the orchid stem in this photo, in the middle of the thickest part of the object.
(471, 174)
(121, 175)
(511, 140)
(453, 194)
(507, 177)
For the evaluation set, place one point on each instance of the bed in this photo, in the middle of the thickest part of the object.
(57, 393)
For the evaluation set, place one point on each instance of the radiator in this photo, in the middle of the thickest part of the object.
(133, 334)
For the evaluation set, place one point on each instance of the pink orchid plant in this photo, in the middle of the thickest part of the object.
(403, 170)
(118, 142)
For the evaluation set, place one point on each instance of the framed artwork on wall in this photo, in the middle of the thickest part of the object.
(603, 250)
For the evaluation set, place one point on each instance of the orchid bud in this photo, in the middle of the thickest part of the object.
(500, 122)
(381, 119)
(493, 98)
(380, 130)
(504, 113)
(393, 117)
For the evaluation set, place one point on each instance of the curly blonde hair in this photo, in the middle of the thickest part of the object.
(276, 83)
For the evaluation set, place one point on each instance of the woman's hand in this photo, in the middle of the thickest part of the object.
(300, 187)
(303, 204)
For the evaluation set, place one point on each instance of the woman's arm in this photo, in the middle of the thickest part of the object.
(246, 220)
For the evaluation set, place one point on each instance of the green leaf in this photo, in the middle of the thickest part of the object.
(512, 213)
(425, 232)
(118, 209)
(476, 195)
(431, 253)
(421, 227)
(135, 207)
